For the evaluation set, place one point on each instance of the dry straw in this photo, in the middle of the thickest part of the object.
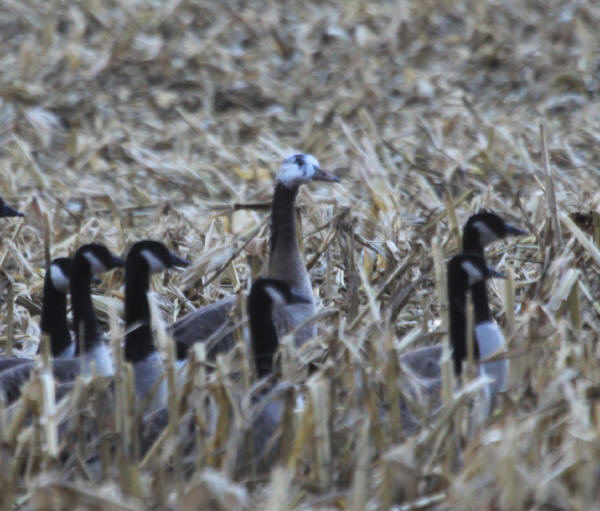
(126, 120)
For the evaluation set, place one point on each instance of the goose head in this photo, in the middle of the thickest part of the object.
(155, 255)
(485, 227)
(273, 294)
(467, 270)
(266, 297)
(59, 273)
(300, 168)
(98, 258)
(6, 210)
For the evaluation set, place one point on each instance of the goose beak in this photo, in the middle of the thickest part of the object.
(323, 175)
(117, 262)
(511, 230)
(493, 273)
(8, 211)
(298, 298)
(178, 261)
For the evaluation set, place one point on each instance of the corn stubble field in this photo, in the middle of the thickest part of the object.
(126, 120)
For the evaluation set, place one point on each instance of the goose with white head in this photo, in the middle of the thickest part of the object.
(285, 264)
(88, 261)
(145, 258)
(285, 259)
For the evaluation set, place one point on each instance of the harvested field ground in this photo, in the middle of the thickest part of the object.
(121, 120)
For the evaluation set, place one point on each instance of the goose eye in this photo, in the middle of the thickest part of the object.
(299, 160)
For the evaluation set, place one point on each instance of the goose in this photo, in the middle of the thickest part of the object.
(480, 230)
(6, 210)
(266, 299)
(464, 272)
(484, 228)
(54, 313)
(144, 259)
(88, 260)
(285, 263)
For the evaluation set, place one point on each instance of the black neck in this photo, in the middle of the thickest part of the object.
(264, 335)
(470, 240)
(84, 317)
(138, 342)
(481, 305)
(457, 303)
(283, 223)
(54, 317)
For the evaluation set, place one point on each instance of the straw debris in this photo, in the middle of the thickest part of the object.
(134, 119)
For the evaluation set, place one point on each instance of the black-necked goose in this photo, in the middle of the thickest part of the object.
(144, 259)
(88, 260)
(285, 262)
(480, 230)
(464, 271)
(54, 308)
(54, 313)
(267, 299)
(6, 210)
(484, 228)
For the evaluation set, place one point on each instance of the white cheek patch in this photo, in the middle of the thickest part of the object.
(473, 273)
(95, 263)
(486, 235)
(312, 163)
(154, 263)
(290, 174)
(276, 297)
(58, 278)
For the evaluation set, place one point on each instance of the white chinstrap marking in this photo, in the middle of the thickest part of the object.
(59, 280)
(473, 273)
(95, 263)
(276, 297)
(155, 264)
(486, 235)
